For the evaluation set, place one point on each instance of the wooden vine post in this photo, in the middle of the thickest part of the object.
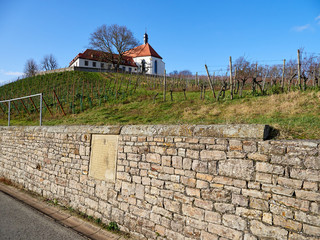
(34, 104)
(2, 109)
(209, 80)
(24, 106)
(282, 79)
(59, 102)
(46, 105)
(164, 85)
(299, 70)
(231, 82)
(197, 80)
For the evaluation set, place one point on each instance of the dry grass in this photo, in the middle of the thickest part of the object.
(284, 104)
(295, 114)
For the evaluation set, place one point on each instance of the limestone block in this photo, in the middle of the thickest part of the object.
(193, 212)
(224, 231)
(311, 230)
(234, 221)
(308, 174)
(286, 223)
(308, 195)
(224, 207)
(261, 230)
(212, 155)
(248, 213)
(242, 169)
(307, 218)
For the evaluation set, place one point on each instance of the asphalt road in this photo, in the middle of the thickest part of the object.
(19, 221)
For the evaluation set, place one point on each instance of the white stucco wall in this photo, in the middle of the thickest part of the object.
(81, 63)
(150, 64)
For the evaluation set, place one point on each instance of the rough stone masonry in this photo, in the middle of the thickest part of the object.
(175, 182)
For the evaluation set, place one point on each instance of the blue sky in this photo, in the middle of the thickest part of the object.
(187, 34)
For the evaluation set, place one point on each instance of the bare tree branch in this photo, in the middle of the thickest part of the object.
(31, 68)
(111, 40)
(49, 63)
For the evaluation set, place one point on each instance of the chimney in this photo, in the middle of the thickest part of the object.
(145, 38)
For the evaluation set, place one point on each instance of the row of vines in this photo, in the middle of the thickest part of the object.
(74, 92)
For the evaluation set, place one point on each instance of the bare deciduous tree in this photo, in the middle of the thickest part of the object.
(244, 71)
(291, 72)
(49, 63)
(185, 73)
(275, 74)
(31, 68)
(113, 39)
(173, 73)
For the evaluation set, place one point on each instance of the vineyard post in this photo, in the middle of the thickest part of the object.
(2, 109)
(40, 109)
(299, 70)
(25, 108)
(209, 80)
(16, 107)
(282, 79)
(184, 93)
(154, 98)
(45, 103)
(59, 102)
(34, 104)
(164, 85)
(255, 79)
(197, 80)
(231, 82)
(236, 88)
(9, 113)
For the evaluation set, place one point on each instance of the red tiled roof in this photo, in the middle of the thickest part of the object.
(101, 57)
(142, 51)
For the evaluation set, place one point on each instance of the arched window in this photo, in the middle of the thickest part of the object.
(156, 67)
(143, 66)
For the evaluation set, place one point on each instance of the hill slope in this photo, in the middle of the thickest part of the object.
(91, 98)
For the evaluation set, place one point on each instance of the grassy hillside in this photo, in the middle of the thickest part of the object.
(91, 98)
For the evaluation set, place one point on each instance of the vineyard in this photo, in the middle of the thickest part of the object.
(288, 102)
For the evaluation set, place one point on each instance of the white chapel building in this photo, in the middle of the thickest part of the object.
(137, 60)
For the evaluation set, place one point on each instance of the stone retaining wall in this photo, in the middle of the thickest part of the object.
(176, 182)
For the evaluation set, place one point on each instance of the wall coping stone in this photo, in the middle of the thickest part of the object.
(247, 131)
(244, 131)
(111, 130)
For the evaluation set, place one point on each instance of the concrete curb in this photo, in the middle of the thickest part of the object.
(85, 228)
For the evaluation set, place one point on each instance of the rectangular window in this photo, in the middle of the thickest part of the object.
(130, 70)
(86, 63)
(93, 64)
(102, 65)
(124, 69)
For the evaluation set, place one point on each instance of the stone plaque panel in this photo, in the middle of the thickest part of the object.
(103, 157)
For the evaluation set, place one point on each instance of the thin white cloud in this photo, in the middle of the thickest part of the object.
(317, 19)
(302, 28)
(13, 73)
(10, 73)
